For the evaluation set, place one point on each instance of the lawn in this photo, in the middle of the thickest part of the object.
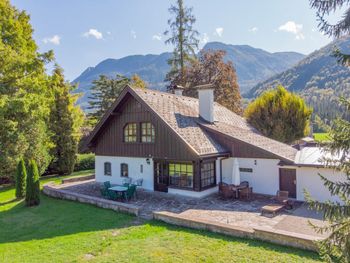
(64, 231)
(321, 137)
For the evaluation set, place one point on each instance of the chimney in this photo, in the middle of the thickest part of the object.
(206, 102)
(178, 90)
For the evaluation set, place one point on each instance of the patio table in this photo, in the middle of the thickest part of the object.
(120, 189)
(236, 188)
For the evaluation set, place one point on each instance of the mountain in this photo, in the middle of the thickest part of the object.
(252, 65)
(318, 78)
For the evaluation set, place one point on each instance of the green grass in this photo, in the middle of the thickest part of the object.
(321, 137)
(64, 231)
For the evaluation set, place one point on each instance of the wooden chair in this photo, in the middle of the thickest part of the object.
(246, 193)
(226, 191)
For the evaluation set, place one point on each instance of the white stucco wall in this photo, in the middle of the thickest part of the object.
(308, 178)
(265, 176)
(134, 170)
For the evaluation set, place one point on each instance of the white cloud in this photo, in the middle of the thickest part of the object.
(205, 38)
(219, 31)
(133, 34)
(157, 37)
(294, 28)
(56, 40)
(253, 29)
(93, 33)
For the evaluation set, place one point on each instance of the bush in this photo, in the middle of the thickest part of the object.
(33, 185)
(21, 177)
(85, 162)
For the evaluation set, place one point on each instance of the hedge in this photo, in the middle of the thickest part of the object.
(85, 162)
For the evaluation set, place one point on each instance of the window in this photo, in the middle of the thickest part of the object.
(130, 132)
(124, 170)
(181, 175)
(246, 170)
(107, 168)
(207, 174)
(147, 132)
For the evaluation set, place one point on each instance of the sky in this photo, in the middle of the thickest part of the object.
(82, 33)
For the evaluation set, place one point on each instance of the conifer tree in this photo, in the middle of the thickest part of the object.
(280, 115)
(21, 177)
(183, 37)
(337, 246)
(64, 124)
(33, 185)
(340, 28)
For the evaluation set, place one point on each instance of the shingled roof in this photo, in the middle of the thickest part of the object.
(181, 113)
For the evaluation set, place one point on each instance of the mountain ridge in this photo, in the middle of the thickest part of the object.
(252, 65)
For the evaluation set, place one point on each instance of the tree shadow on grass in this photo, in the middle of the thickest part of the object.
(54, 217)
(10, 201)
(249, 242)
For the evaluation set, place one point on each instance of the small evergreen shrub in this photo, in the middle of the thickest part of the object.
(33, 186)
(21, 177)
(85, 162)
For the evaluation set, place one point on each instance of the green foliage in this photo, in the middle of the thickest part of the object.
(85, 162)
(24, 97)
(321, 137)
(104, 92)
(340, 28)
(32, 185)
(183, 37)
(211, 68)
(65, 122)
(337, 246)
(21, 177)
(280, 115)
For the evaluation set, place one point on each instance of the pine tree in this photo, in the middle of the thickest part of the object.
(33, 185)
(104, 92)
(62, 124)
(280, 115)
(337, 246)
(21, 177)
(339, 29)
(183, 37)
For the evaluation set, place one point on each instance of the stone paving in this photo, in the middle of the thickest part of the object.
(244, 214)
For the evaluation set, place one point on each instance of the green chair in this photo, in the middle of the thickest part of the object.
(107, 184)
(104, 192)
(130, 192)
(126, 185)
(112, 195)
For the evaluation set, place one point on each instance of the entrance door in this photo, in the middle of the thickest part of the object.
(161, 177)
(288, 181)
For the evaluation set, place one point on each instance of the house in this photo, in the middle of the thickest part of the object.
(186, 146)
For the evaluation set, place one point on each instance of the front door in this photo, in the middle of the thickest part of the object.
(161, 177)
(288, 181)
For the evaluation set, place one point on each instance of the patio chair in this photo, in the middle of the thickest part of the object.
(104, 192)
(107, 184)
(112, 195)
(226, 191)
(130, 192)
(246, 193)
(244, 183)
(138, 182)
(127, 180)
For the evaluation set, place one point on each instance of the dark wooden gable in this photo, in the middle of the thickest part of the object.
(167, 145)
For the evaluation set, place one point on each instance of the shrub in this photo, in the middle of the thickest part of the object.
(21, 177)
(85, 162)
(33, 186)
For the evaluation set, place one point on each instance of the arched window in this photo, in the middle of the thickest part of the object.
(107, 168)
(124, 170)
(130, 132)
(147, 132)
